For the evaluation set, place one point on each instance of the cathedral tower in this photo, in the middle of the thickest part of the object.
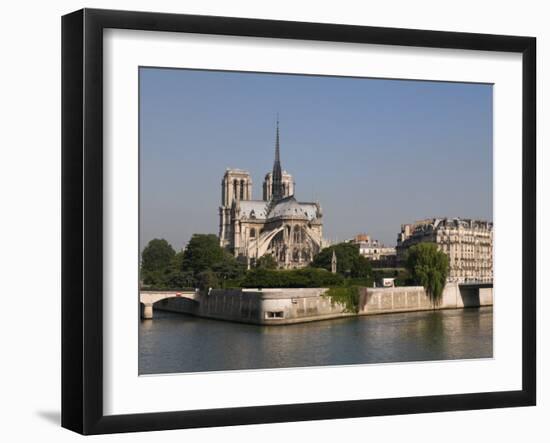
(288, 185)
(236, 186)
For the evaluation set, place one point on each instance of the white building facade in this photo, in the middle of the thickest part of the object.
(373, 249)
(467, 242)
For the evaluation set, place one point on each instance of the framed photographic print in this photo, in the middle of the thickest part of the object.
(268, 221)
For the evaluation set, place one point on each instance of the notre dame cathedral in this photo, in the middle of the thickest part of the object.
(291, 231)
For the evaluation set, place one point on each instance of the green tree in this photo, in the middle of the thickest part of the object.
(177, 279)
(177, 261)
(266, 262)
(207, 279)
(156, 261)
(348, 261)
(202, 252)
(157, 255)
(229, 268)
(428, 267)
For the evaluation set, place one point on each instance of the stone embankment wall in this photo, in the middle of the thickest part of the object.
(286, 306)
(266, 306)
(295, 305)
(414, 298)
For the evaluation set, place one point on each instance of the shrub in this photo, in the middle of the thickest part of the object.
(345, 295)
(296, 278)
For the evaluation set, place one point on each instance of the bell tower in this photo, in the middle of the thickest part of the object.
(288, 185)
(236, 186)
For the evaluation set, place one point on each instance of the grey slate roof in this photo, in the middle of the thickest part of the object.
(254, 208)
(287, 207)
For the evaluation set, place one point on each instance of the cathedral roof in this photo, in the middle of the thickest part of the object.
(289, 207)
(253, 209)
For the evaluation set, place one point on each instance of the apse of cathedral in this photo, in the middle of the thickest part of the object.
(279, 225)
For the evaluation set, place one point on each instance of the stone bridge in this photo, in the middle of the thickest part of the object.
(149, 298)
(473, 293)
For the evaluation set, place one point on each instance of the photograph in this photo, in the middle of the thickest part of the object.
(297, 220)
(282, 221)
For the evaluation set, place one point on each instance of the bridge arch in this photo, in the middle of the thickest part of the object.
(148, 298)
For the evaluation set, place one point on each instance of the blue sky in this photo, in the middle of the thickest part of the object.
(375, 153)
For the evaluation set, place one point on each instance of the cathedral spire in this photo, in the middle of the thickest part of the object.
(277, 180)
(277, 146)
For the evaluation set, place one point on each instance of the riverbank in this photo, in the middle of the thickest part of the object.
(300, 305)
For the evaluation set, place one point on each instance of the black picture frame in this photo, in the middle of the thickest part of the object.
(82, 218)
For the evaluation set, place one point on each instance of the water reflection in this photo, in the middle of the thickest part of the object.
(181, 343)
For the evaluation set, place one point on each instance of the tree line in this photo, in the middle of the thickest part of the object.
(204, 264)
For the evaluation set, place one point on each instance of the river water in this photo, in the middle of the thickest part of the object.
(172, 343)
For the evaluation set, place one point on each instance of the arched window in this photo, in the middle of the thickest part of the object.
(282, 254)
(242, 189)
(235, 185)
(252, 233)
(297, 234)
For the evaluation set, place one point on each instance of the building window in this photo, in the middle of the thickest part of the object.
(242, 189)
(297, 234)
(252, 233)
(274, 314)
